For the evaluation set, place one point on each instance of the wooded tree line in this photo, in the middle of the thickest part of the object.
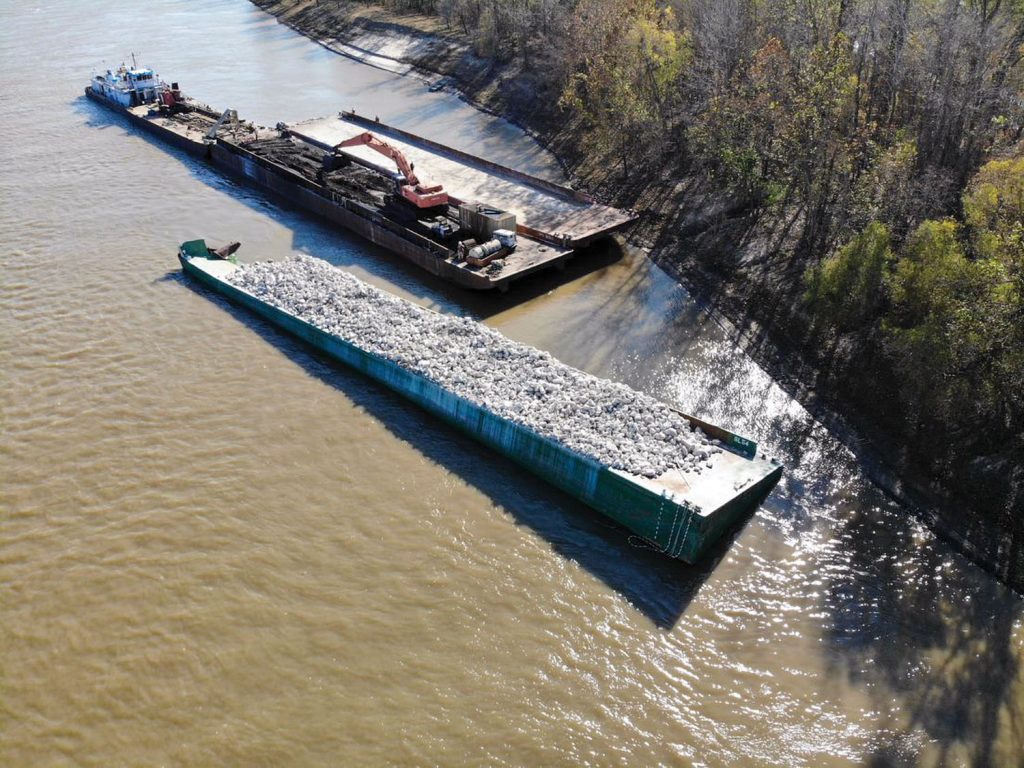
(887, 132)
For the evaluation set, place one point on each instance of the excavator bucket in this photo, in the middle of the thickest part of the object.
(425, 200)
(420, 194)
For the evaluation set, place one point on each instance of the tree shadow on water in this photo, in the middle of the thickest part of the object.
(659, 587)
(933, 638)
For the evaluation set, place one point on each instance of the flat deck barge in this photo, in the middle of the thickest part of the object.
(354, 188)
(544, 209)
(681, 512)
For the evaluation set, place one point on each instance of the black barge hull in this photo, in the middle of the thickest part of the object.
(232, 157)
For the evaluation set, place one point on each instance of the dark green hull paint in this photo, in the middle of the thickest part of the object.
(674, 528)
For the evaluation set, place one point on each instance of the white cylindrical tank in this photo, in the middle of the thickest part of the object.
(484, 250)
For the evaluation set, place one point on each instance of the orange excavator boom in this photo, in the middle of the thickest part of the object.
(419, 193)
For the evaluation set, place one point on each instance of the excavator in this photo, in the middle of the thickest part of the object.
(417, 192)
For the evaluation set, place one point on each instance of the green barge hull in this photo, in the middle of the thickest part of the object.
(681, 515)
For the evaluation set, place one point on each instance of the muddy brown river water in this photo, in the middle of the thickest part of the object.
(218, 549)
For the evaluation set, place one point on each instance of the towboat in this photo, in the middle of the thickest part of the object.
(132, 87)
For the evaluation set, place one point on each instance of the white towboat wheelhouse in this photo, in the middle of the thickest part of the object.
(130, 87)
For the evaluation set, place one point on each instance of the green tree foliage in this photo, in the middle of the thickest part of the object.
(954, 333)
(951, 330)
(740, 134)
(628, 59)
(847, 289)
(994, 211)
(779, 132)
(931, 276)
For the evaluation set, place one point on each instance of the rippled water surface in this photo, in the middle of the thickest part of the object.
(216, 548)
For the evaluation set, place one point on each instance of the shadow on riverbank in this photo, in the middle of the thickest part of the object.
(659, 587)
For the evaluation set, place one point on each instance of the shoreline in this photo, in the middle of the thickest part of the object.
(432, 54)
(425, 55)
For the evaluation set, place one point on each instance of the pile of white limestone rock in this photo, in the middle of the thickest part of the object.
(610, 422)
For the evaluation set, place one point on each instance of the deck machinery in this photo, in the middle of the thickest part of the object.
(476, 224)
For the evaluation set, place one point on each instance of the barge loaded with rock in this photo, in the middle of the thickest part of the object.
(674, 480)
(468, 220)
